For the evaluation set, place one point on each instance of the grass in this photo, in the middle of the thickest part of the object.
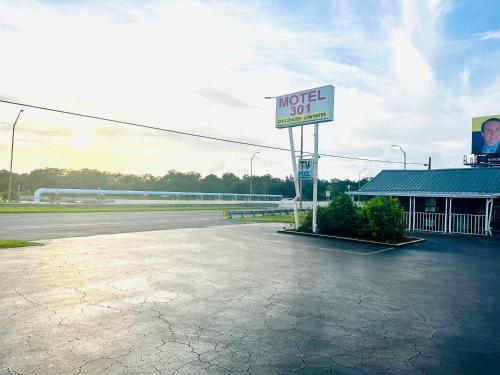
(4, 244)
(59, 209)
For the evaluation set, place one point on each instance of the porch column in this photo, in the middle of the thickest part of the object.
(408, 226)
(449, 221)
(488, 215)
(413, 215)
(446, 215)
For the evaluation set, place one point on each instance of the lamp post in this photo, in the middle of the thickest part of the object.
(12, 154)
(359, 179)
(251, 169)
(404, 154)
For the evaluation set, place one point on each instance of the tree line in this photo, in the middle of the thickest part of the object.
(174, 180)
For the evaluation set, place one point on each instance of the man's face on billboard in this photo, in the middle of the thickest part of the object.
(491, 133)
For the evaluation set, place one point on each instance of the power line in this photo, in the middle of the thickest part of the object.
(194, 134)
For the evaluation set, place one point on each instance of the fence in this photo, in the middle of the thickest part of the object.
(454, 223)
(431, 222)
(468, 224)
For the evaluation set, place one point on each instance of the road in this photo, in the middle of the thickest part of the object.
(62, 225)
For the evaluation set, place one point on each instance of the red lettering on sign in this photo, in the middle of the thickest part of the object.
(292, 101)
(284, 102)
(302, 95)
(311, 96)
(319, 95)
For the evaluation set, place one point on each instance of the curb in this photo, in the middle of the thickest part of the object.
(412, 240)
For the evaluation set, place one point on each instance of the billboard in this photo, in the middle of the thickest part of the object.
(486, 135)
(305, 107)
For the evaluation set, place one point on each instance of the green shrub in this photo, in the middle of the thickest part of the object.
(339, 218)
(306, 220)
(14, 197)
(382, 219)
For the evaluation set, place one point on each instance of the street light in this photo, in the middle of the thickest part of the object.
(359, 179)
(12, 154)
(404, 154)
(251, 169)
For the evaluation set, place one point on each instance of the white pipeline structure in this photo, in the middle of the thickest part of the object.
(177, 196)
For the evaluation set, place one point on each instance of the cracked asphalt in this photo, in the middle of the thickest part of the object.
(245, 299)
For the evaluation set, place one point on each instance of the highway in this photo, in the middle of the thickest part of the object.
(62, 225)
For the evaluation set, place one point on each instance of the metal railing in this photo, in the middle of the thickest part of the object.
(254, 213)
(454, 223)
(407, 220)
(430, 221)
(468, 224)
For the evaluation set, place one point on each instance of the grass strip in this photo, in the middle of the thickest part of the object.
(5, 244)
(60, 209)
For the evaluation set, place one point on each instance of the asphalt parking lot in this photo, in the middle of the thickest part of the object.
(245, 299)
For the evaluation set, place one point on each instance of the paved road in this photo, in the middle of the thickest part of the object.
(245, 299)
(60, 225)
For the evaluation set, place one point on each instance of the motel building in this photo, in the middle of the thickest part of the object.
(465, 201)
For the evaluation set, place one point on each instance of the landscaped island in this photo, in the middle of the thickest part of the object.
(380, 219)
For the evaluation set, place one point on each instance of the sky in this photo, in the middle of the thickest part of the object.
(411, 73)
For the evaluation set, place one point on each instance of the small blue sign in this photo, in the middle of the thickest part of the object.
(306, 169)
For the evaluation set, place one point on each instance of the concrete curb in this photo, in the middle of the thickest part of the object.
(412, 240)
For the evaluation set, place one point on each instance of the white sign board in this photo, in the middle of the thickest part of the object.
(305, 107)
(306, 169)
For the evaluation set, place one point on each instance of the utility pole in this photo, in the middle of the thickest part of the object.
(12, 155)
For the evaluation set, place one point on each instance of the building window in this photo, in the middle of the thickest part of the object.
(430, 205)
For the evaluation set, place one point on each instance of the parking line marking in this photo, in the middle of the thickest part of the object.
(330, 249)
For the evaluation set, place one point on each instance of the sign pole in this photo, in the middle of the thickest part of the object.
(295, 179)
(315, 180)
(301, 156)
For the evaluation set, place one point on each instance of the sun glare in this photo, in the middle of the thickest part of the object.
(81, 142)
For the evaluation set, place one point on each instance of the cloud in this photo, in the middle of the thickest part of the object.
(205, 67)
(222, 97)
(465, 77)
(50, 132)
(489, 35)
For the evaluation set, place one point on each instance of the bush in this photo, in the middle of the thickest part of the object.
(14, 197)
(339, 218)
(382, 219)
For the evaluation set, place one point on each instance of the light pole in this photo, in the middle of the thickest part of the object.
(359, 179)
(404, 154)
(251, 169)
(12, 154)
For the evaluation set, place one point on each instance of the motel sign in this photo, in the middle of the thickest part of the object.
(305, 107)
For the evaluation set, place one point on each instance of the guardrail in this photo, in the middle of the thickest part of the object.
(254, 213)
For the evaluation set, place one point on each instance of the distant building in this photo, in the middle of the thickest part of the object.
(443, 200)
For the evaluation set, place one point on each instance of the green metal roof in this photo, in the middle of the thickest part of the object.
(472, 182)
